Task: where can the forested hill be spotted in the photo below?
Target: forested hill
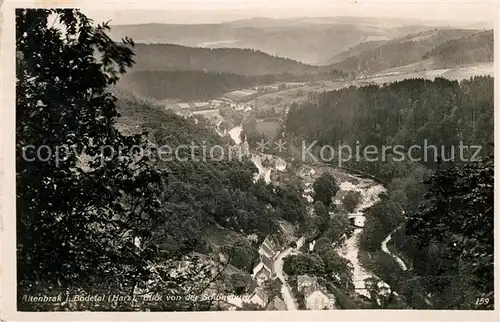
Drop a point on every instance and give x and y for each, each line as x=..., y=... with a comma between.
x=399, y=52
x=198, y=85
x=188, y=85
x=442, y=112
x=168, y=57
x=472, y=49
x=355, y=50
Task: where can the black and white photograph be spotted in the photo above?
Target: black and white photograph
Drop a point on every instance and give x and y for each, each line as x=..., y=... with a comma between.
x=252, y=156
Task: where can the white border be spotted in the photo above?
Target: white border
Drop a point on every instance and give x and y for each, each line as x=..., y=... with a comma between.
x=8, y=310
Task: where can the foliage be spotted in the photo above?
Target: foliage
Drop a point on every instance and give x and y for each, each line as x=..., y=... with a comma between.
x=381, y=219
x=398, y=52
x=453, y=230
x=321, y=215
x=76, y=224
x=242, y=283
x=170, y=57
x=471, y=49
x=273, y=288
x=413, y=112
x=310, y=264
x=338, y=228
x=338, y=269
x=242, y=255
x=351, y=200
x=325, y=188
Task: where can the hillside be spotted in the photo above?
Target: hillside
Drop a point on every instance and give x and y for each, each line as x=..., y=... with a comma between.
x=310, y=40
x=188, y=85
x=168, y=57
x=203, y=192
x=355, y=50
x=402, y=51
x=199, y=85
x=476, y=48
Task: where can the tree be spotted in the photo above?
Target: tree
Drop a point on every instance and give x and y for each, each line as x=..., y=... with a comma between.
x=273, y=288
x=242, y=283
x=322, y=245
x=454, y=228
x=303, y=264
x=77, y=221
x=351, y=200
x=321, y=213
x=242, y=255
x=338, y=228
x=338, y=269
x=325, y=188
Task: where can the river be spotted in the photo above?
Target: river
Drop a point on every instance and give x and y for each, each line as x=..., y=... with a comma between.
x=369, y=191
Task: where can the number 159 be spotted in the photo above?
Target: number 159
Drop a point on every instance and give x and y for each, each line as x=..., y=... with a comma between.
x=482, y=300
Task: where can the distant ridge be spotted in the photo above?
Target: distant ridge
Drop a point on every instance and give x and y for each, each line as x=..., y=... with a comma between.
x=308, y=40
x=169, y=57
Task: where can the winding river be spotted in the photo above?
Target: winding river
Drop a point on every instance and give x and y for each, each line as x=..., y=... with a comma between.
x=369, y=191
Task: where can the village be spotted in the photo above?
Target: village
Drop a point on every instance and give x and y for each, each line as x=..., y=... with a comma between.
x=245, y=100
x=270, y=270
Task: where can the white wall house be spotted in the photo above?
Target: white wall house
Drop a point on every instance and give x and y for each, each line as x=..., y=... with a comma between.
x=318, y=299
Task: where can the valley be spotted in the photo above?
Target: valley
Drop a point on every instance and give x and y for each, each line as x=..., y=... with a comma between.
x=258, y=164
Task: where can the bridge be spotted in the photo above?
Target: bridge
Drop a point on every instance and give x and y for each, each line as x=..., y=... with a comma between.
x=364, y=174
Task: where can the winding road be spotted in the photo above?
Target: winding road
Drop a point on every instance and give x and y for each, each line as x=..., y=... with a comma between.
x=285, y=288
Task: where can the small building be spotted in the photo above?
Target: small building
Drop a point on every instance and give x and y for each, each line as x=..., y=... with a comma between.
x=264, y=270
x=262, y=273
x=184, y=105
x=259, y=297
x=304, y=281
x=269, y=248
x=276, y=304
x=318, y=299
x=201, y=104
x=216, y=103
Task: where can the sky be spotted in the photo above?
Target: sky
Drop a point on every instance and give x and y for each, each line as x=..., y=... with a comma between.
x=216, y=11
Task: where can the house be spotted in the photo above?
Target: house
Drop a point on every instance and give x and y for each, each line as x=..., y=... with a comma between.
x=276, y=304
x=262, y=273
x=318, y=299
x=201, y=104
x=264, y=270
x=184, y=105
x=304, y=281
x=269, y=249
x=259, y=297
x=217, y=103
